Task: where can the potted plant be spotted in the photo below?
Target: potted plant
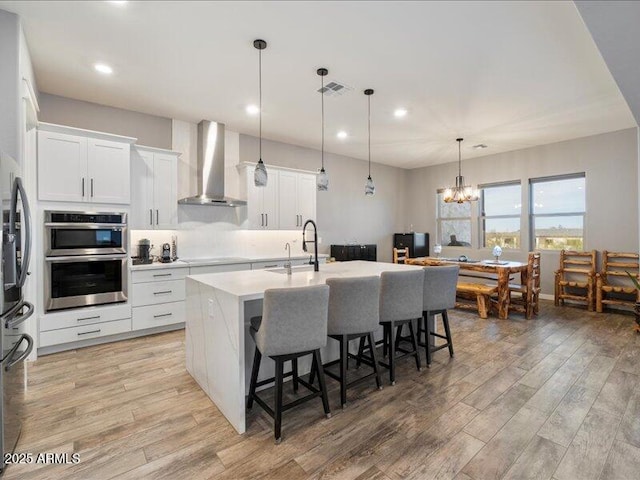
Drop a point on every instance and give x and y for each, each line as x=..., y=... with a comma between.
x=635, y=281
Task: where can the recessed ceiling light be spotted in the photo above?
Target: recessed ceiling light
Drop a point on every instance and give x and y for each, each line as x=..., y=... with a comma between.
x=480, y=146
x=252, y=109
x=103, y=68
x=400, y=112
x=342, y=134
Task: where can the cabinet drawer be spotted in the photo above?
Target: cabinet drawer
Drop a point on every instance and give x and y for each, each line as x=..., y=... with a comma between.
x=235, y=267
x=74, y=334
x=84, y=316
x=154, y=293
x=159, y=274
x=272, y=264
x=157, y=315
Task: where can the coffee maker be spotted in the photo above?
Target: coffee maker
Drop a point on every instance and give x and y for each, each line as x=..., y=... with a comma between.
x=144, y=252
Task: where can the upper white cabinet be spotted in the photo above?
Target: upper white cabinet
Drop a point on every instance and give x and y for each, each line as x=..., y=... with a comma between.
x=262, y=202
x=154, y=184
x=285, y=203
x=77, y=165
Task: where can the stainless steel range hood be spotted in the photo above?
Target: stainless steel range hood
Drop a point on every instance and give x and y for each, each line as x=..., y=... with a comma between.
x=211, y=168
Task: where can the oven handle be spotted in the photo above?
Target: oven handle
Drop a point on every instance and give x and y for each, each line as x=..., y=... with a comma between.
x=9, y=358
x=85, y=226
x=85, y=258
x=10, y=318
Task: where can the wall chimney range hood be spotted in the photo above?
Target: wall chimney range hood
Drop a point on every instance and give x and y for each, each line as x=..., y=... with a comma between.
x=210, y=168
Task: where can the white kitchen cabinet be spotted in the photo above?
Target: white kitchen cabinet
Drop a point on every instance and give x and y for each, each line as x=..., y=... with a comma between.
x=284, y=204
x=296, y=199
x=76, y=165
x=262, y=202
x=157, y=297
x=230, y=267
x=154, y=183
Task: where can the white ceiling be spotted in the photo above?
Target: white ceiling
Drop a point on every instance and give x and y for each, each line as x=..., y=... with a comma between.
x=507, y=74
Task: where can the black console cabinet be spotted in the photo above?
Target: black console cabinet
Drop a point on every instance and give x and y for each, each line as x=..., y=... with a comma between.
x=346, y=253
x=418, y=243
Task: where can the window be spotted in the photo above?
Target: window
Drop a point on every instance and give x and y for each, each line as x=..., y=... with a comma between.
x=557, y=212
x=500, y=208
x=454, y=223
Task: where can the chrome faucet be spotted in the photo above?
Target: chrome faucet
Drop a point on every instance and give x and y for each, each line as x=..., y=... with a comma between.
x=315, y=264
x=287, y=265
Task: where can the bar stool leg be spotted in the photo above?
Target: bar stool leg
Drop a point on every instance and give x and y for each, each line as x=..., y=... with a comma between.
x=278, y=400
x=323, y=385
x=360, y=352
x=392, y=352
x=447, y=330
x=294, y=374
x=385, y=339
x=312, y=373
x=427, y=338
x=374, y=357
x=344, y=347
x=257, y=357
x=414, y=341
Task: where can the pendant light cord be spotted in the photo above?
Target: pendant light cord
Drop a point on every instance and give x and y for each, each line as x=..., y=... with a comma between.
x=322, y=103
x=260, y=97
x=369, y=127
x=459, y=159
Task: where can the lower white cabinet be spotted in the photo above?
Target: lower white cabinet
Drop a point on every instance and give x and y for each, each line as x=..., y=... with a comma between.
x=156, y=301
x=83, y=323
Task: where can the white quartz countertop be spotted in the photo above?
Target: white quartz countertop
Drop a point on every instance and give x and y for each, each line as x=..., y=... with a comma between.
x=251, y=284
x=200, y=262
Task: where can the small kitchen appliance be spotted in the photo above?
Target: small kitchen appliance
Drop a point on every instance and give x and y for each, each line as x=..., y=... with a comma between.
x=144, y=252
x=166, y=253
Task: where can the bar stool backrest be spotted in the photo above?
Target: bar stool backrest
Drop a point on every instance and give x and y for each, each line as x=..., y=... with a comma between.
x=401, y=295
x=440, y=287
x=293, y=320
x=353, y=305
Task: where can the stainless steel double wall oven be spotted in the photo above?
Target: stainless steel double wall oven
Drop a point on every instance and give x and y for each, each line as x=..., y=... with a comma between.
x=86, y=259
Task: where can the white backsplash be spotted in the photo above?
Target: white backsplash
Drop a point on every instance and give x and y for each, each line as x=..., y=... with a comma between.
x=206, y=232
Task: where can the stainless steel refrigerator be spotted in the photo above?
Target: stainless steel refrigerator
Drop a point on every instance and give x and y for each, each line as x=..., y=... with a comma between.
x=15, y=345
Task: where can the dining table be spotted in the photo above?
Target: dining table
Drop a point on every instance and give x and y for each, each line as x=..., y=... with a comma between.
x=502, y=269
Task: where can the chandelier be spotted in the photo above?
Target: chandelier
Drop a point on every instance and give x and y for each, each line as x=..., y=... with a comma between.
x=460, y=193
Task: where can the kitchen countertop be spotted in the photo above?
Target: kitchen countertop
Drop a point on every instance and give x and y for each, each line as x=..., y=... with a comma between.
x=249, y=285
x=200, y=262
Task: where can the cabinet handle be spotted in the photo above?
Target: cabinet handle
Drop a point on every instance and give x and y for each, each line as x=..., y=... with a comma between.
x=162, y=274
x=157, y=217
x=87, y=333
x=164, y=292
x=88, y=318
x=82, y=186
x=150, y=216
x=262, y=219
x=266, y=215
x=163, y=315
x=92, y=188
x=270, y=266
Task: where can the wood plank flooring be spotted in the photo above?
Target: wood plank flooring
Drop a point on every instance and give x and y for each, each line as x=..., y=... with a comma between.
x=556, y=397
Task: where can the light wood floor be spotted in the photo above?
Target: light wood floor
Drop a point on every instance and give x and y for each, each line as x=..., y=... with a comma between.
x=554, y=397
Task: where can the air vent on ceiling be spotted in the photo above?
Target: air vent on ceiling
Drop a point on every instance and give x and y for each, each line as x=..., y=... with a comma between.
x=333, y=89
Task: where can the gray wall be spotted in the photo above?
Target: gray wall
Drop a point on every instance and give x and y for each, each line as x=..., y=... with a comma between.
x=148, y=129
x=610, y=162
x=9, y=84
x=344, y=213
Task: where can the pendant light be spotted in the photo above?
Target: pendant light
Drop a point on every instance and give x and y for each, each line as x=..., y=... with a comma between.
x=260, y=176
x=460, y=193
x=369, y=188
x=322, y=180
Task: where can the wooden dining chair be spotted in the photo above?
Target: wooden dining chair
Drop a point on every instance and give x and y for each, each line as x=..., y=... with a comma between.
x=575, y=279
x=527, y=294
x=613, y=285
x=400, y=255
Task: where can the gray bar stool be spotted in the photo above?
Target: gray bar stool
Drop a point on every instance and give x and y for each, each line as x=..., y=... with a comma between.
x=400, y=304
x=353, y=313
x=439, y=295
x=293, y=324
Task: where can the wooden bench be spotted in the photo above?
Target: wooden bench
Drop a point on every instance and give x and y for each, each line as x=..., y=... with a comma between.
x=482, y=293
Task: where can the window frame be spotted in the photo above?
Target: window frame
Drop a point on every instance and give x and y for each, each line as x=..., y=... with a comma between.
x=482, y=217
x=532, y=215
x=440, y=219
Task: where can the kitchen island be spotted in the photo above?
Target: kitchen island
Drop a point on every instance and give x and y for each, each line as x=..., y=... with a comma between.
x=219, y=350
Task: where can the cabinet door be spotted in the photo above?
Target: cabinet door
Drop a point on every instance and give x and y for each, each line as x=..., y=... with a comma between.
x=270, y=201
x=165, y=185
x=108, y=171
x=142, y=214
x=307, y=196
x=289, y=215
x=62, y=167
x=255, y=201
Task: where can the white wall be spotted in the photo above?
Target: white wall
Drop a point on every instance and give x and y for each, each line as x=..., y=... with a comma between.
x=610, y=162
x=9, y=84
